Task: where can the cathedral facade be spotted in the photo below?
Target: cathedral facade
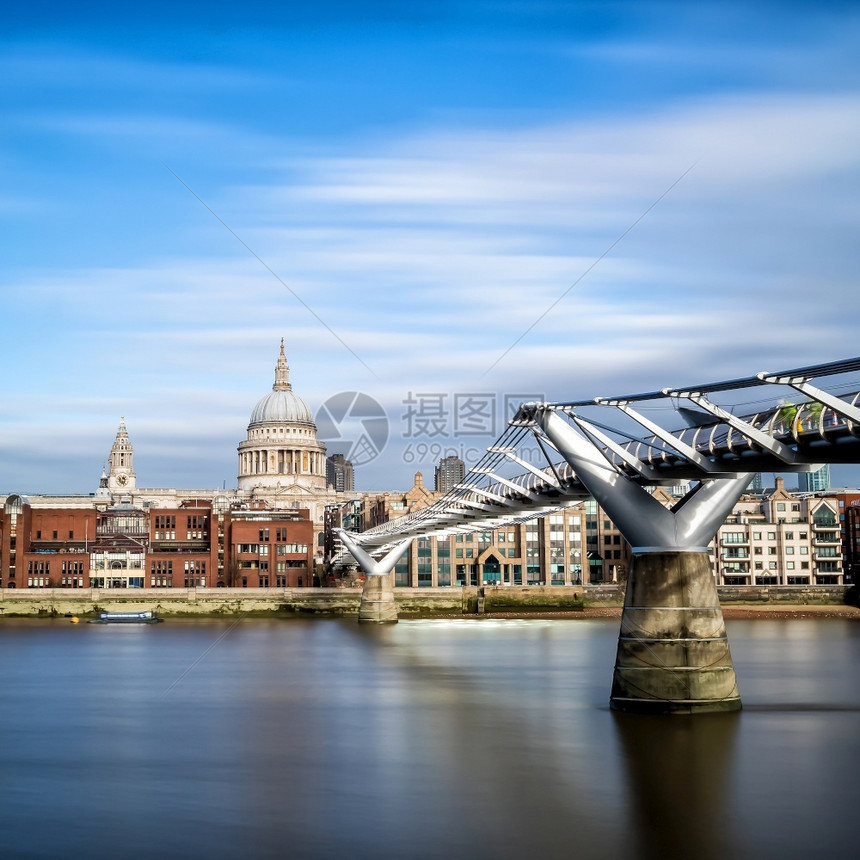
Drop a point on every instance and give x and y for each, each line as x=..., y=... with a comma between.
x=281, y=463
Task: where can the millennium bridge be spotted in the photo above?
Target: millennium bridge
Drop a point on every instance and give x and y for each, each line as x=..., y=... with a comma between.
x=673, y=654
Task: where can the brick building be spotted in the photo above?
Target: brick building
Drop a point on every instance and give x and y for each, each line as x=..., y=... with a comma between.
x=195, y=545
x=267, y=531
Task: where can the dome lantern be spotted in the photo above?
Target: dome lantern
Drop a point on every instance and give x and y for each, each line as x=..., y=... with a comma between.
x=282, y=405
x=282, y=372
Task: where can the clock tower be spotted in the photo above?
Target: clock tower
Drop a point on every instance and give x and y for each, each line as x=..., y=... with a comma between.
x=121, y=477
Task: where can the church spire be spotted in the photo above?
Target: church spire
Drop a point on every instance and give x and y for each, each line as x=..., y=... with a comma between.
x=121, y=475
x=282, y=372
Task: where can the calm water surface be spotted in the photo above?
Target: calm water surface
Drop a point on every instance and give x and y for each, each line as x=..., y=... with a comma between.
x=465, y=738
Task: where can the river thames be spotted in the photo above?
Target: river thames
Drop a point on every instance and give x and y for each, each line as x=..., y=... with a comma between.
x=436, y=738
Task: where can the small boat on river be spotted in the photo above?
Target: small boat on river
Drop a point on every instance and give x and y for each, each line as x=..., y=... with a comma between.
x=148, y=617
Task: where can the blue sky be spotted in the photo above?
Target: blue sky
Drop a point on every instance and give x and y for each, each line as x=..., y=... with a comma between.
x=428, y=178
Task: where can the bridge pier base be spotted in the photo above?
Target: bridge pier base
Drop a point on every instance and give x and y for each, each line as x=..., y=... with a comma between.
x=377, y=601
x=673, y=655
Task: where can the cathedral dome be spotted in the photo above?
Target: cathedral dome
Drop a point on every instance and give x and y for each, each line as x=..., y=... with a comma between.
x=282, y=405
x=282, y=453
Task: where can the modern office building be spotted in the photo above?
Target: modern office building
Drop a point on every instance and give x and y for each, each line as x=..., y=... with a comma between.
x=814, y=482
x=449, y=472
x=340, y=474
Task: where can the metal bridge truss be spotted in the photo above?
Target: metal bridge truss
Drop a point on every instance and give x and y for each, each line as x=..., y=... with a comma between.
x=817, y=423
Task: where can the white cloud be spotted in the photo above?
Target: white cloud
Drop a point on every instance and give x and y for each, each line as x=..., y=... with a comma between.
x=433, y=253
x=564, y=168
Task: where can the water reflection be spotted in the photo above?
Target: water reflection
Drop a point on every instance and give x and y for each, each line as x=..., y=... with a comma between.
x=678, y=778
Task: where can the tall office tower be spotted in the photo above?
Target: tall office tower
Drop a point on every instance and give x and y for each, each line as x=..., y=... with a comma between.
x=449, y=473
x=339, y=473
x=812, y=482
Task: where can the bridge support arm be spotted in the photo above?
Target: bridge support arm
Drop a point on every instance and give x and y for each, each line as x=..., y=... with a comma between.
x=370, y=565
x=644, y=522
x=377, y=596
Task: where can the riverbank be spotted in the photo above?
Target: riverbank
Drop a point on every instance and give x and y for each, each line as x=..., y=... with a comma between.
x=736, y=612
x=456, y=601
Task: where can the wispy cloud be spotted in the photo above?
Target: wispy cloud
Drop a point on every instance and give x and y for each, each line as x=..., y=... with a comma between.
x=430, y=242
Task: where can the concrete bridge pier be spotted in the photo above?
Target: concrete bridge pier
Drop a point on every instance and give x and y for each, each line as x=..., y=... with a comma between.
x=377, y=597
x=377, y=601
x=673, y=655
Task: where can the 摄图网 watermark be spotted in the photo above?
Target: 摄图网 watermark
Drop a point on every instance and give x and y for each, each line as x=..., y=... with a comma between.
x=433, y=424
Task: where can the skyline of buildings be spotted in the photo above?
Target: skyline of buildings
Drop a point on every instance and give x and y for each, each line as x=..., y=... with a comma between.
x=777, y=538
x=274, y=528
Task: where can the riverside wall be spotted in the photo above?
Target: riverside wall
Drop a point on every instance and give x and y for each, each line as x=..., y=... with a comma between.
x=415, y=602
